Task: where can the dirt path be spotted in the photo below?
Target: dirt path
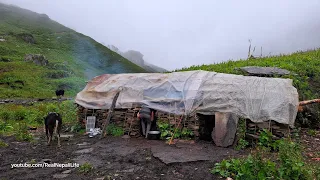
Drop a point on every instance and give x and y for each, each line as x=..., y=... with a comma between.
x=31, y=101
x=113, y=158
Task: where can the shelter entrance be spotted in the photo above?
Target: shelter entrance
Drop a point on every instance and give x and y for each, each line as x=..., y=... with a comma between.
x=206, y=125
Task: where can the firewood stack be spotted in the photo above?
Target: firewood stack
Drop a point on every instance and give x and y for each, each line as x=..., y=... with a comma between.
x=131, y=122
x=191, y=123
x=278, y=130
x=127, y=119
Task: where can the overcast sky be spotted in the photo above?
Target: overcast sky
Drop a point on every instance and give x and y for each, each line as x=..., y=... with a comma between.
x=179, y=33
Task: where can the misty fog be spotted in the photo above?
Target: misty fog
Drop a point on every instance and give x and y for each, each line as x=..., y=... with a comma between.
x=181, y=33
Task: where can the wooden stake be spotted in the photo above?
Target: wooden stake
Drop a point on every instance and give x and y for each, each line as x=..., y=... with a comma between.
x=170, y=142
x=103, y=133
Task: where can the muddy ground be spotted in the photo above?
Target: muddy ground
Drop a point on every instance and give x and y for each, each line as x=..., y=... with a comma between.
x=122, y=158
x=113, y=158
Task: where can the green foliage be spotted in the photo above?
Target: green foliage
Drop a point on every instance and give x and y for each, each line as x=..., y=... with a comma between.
x=312, y=132
x=241, y=133
x=292, y=164
x=288, y=164
x=3, y=144
x=85, y=168
x=242, y=143
x=5, y=127
x=33, y=116
x=167, y=131
x=251, y=168
x=76, y=128
x=266, y=140
x=295, y=132
x=114, y=130
x=22, y=133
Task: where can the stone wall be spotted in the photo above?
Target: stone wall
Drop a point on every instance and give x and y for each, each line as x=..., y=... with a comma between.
x=127, y=119
x=220, y=127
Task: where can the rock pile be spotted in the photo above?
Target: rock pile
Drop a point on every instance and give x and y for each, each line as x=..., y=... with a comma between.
x=28, y=38
x=38, y=59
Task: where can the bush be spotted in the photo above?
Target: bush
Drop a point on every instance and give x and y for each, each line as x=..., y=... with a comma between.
x=5, y=127
x=287, y=164
x=265, y=139
x=114, y=130
x=5, y=115
x=253, y=167
x=20, y=114
x=3, y=144
x=85, y=168
x=22, y=133
x=167, y=131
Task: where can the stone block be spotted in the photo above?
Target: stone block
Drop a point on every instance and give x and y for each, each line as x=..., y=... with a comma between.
x=225, y=129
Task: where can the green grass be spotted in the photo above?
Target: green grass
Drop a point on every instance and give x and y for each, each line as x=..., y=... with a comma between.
x=85, y=168
x=73, y=57
x=15, y=119
x=287, y=163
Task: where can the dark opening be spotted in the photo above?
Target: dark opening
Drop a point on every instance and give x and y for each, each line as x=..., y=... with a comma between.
x=206, y=125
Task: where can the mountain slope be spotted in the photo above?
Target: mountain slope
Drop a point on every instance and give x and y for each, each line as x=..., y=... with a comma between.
x=137, y=58
x=73, y=57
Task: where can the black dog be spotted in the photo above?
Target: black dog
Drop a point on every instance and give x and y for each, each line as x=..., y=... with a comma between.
x=53, y=121
x=60, y=92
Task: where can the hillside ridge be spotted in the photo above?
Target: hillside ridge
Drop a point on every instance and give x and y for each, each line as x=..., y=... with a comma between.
x=73, y=57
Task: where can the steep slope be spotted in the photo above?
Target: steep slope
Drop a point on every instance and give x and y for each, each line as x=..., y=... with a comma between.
x=72, y=57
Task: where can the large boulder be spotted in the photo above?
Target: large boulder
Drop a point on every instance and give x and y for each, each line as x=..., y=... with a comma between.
x=38, y=59
x=264, y=71
x=28, y=38
x=225, y=129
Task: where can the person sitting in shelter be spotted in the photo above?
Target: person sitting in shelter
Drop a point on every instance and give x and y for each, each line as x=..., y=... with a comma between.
x=146, y=116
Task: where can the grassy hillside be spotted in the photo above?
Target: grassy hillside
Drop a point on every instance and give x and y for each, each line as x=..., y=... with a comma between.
x=304, y=66
x=73, y=57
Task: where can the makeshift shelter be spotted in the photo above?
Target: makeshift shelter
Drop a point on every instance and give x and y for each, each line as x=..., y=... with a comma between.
x=183, y=93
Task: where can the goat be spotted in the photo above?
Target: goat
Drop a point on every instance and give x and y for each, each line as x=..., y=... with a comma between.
x=60, y=92
x=53, y=121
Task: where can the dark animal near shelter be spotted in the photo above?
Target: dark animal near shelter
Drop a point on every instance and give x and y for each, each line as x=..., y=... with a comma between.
x=60, y=92
x=53, y=122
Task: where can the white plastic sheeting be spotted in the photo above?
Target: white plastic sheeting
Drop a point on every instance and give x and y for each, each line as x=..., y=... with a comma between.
x=184, y=93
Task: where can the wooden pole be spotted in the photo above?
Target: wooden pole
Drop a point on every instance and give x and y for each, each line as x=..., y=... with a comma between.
x=303, y=103
x=171, y=139
x=103, y=133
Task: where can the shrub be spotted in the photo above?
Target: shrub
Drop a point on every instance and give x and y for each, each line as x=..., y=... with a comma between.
x=287, y=164
x=85, y=168
x=312, y=132
x=5, y=115
x=242, y=143
x=22, y=133
x=3, y=144
x=20, y=113
x=5, y=127
x=167, y=131
x=114, y=130
x=266, y=140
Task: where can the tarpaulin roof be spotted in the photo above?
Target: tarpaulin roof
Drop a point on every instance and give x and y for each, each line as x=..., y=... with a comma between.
x=256, y=98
